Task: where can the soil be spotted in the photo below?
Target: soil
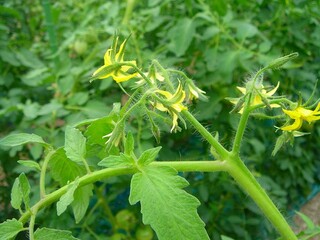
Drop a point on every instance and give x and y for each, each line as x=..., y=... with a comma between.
x=312, y=210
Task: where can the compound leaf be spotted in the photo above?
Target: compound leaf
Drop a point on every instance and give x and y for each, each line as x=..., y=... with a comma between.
x=170, y=211
x=63, y=170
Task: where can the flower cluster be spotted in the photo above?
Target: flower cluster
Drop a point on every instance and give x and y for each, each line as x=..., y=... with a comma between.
x=114, y=65
x=173, y=104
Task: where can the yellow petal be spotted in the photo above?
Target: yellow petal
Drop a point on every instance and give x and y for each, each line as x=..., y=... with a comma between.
x=295, y=126
x=293, y=114
x=273, y=91
x=164, y=93
x=120, y=76
x=242, y=90
x=107, y=57
x=99, y=70
x=174, y=121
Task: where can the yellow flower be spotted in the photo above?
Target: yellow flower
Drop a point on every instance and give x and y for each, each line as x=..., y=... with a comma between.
x=300, y=114
x=195, y=92
x=174, y=104
x=113, y=67
x=258, y=96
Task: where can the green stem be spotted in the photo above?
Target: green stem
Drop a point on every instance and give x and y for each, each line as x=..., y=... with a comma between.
x=193, y=166
x=43, y=174
x=222, y=152
x=127, y=15
x=84, y=180
x=240, y=131
x=186, y=166
x=31, y=225
x=249, y=184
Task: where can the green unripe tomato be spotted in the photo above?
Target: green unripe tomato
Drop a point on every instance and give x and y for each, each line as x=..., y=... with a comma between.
x=144, y=233
x=117, y=236
x=80, y=47
x=126, y=219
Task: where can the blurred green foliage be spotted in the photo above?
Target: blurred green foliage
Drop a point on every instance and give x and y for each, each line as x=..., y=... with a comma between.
x=49, y=49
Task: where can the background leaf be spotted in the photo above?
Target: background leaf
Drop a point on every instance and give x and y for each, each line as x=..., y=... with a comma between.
x=170, y=211
x=17, y=139
x=181, y=35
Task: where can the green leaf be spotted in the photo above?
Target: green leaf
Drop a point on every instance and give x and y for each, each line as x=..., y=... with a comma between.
x=67, y=198
x=181, y=36
x=81, y=201
x=53, y=234
x=129, y=144
x=63, y=170
x=170, y=211
x=148, y=156
x=25, y=189
x=16, y=195
x=17, y=139
x=117, y=161
x=307, y=220
x=30, y=164
x=98, y=129
x=10, y=229
x=75, y=144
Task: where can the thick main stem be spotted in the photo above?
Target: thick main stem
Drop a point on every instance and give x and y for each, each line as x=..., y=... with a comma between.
x=249, y=184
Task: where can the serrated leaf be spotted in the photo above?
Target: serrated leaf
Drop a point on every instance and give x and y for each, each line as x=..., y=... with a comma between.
x=25, y=189
x=16, y=195
x=148, y=156
x=129, y=144
x=63, y=170
x=75, y=144
x=30, y=164
x=170, y=211
x=10, y=229
x=117, y=161
x=53, y=234
x=17, y=139
x=67, y=198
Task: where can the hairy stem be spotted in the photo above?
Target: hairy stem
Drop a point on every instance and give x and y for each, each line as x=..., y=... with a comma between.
x=222, y=152
x=249, y=184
